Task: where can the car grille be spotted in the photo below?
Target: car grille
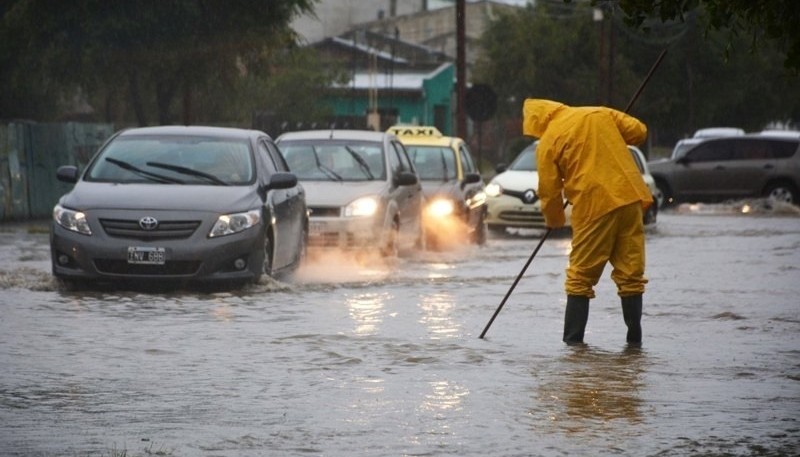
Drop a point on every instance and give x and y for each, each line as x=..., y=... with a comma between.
x=522, y=216
x=322, y=211
x=166, y=230
x=122, y=267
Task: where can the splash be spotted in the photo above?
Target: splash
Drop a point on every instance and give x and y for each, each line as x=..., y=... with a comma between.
x=338, y=266
x=759, y=206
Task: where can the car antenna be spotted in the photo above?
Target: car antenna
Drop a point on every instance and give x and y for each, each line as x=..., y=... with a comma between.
x=333, y=127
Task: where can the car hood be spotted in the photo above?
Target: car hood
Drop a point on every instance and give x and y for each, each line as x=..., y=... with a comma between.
x=90, y=195
x=517, y=180
x=340, y=193
x=433, y=188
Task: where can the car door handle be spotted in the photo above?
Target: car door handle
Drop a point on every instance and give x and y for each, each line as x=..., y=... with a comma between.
x=769, y=166
x=719, y=167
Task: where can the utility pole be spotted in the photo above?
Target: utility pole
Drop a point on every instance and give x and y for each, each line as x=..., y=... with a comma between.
x=461, y=73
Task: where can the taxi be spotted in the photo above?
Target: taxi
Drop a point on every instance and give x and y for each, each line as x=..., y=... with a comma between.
x=455, y=201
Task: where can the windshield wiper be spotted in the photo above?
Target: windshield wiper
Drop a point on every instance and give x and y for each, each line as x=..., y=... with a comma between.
x=328, y=172
x=361, y=162
x=151, y=176
x=188, y=171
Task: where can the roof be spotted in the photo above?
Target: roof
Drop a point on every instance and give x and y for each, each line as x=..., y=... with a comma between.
x=398, y=81
x=199, y=130
x=358, y=135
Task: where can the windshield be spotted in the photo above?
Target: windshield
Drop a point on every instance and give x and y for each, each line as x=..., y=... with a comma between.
x=174, y=160
x=682, y=147
x=433, y=162
x=334, y=160
x=526, y=160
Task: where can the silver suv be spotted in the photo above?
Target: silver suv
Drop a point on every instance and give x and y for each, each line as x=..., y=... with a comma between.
x=735, y=167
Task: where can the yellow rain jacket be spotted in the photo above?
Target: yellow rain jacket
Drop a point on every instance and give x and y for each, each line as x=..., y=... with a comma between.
x=583, y=155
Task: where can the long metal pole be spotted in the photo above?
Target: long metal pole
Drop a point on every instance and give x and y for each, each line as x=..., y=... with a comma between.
x=549, y=230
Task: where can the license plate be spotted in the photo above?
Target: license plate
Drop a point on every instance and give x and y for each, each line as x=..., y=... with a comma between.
x=146, y=255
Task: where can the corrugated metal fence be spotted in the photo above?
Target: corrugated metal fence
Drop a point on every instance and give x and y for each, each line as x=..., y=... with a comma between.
x=30, y=154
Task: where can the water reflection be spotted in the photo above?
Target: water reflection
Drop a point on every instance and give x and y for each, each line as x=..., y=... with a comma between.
x=445, y=396
x=591, y=386
x=437, y=315
x=367, y=311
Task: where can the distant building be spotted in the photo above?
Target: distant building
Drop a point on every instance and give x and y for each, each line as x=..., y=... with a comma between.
x=401, y=54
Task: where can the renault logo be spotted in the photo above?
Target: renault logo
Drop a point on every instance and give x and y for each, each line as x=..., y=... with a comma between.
x=148, y=223
x=529, y=196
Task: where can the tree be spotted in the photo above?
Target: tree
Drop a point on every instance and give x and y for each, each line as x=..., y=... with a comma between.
x=157, y=53
x=760, y=20
x=555, y=50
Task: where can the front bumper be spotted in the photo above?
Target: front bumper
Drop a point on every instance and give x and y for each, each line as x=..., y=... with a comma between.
x=345, y=233
x=196, y=257
x=508, y=211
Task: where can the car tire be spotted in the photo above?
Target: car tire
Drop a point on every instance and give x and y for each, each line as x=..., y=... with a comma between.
x=665, y=196
x=783, y=192
x=391, y=248
x=267, y=258
x=496, y=229
x=651, y=215
x=479, y=236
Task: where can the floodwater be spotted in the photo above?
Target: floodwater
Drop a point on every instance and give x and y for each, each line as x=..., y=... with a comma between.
x=371, y=359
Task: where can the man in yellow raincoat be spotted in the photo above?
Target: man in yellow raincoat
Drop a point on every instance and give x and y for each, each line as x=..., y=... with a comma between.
x=583, y=156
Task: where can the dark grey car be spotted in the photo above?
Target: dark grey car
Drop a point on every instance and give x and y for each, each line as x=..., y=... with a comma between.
x=754, y=165
x=180, y=203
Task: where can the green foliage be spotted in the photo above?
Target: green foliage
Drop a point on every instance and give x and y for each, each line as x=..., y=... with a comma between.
x=147, y=59
x=708, y=77
x=766, y=23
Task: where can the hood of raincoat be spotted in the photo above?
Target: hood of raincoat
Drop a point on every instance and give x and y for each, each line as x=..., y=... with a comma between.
x=537, y=114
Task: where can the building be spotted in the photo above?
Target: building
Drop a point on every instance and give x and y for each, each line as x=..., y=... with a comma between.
x=402, y=56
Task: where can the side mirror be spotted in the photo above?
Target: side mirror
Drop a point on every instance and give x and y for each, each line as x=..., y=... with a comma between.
x=470, y=178
x=683, y=160
x=501, y=167
x=282, y=180
x=405, y=178
x=67, y=173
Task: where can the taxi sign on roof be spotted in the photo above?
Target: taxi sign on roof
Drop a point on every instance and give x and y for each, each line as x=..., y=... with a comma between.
x=415, y=130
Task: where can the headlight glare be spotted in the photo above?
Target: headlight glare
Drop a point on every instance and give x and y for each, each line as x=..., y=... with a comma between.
x=441, y=208
x=71, y=220
x=362, y=207
x=493, y=189
x=228, y=224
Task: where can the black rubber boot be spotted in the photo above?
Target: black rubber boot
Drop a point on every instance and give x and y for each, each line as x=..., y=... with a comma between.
x=632, y=313
x=575, y=318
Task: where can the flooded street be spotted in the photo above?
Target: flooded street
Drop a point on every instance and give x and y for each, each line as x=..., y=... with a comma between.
x=371, y=359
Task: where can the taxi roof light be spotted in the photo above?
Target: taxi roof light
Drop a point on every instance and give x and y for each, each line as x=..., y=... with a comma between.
x=415, y=130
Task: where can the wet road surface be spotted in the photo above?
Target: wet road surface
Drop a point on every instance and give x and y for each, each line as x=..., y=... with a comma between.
x=374, y=359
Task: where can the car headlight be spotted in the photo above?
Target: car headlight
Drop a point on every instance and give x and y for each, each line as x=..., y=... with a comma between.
x=228, y=224
x=362, y=207
x=493, y=189
x=441, y=207
x=71, y=220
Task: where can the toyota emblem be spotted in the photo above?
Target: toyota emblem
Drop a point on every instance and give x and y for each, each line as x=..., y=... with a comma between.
x=148, y=223
x=529, y=196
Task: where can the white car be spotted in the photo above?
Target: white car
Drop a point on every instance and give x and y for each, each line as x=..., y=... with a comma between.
x=511, y=195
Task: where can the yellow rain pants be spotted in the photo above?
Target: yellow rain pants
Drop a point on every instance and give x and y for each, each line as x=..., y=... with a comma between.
x=617, y=238
x=583, y=156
